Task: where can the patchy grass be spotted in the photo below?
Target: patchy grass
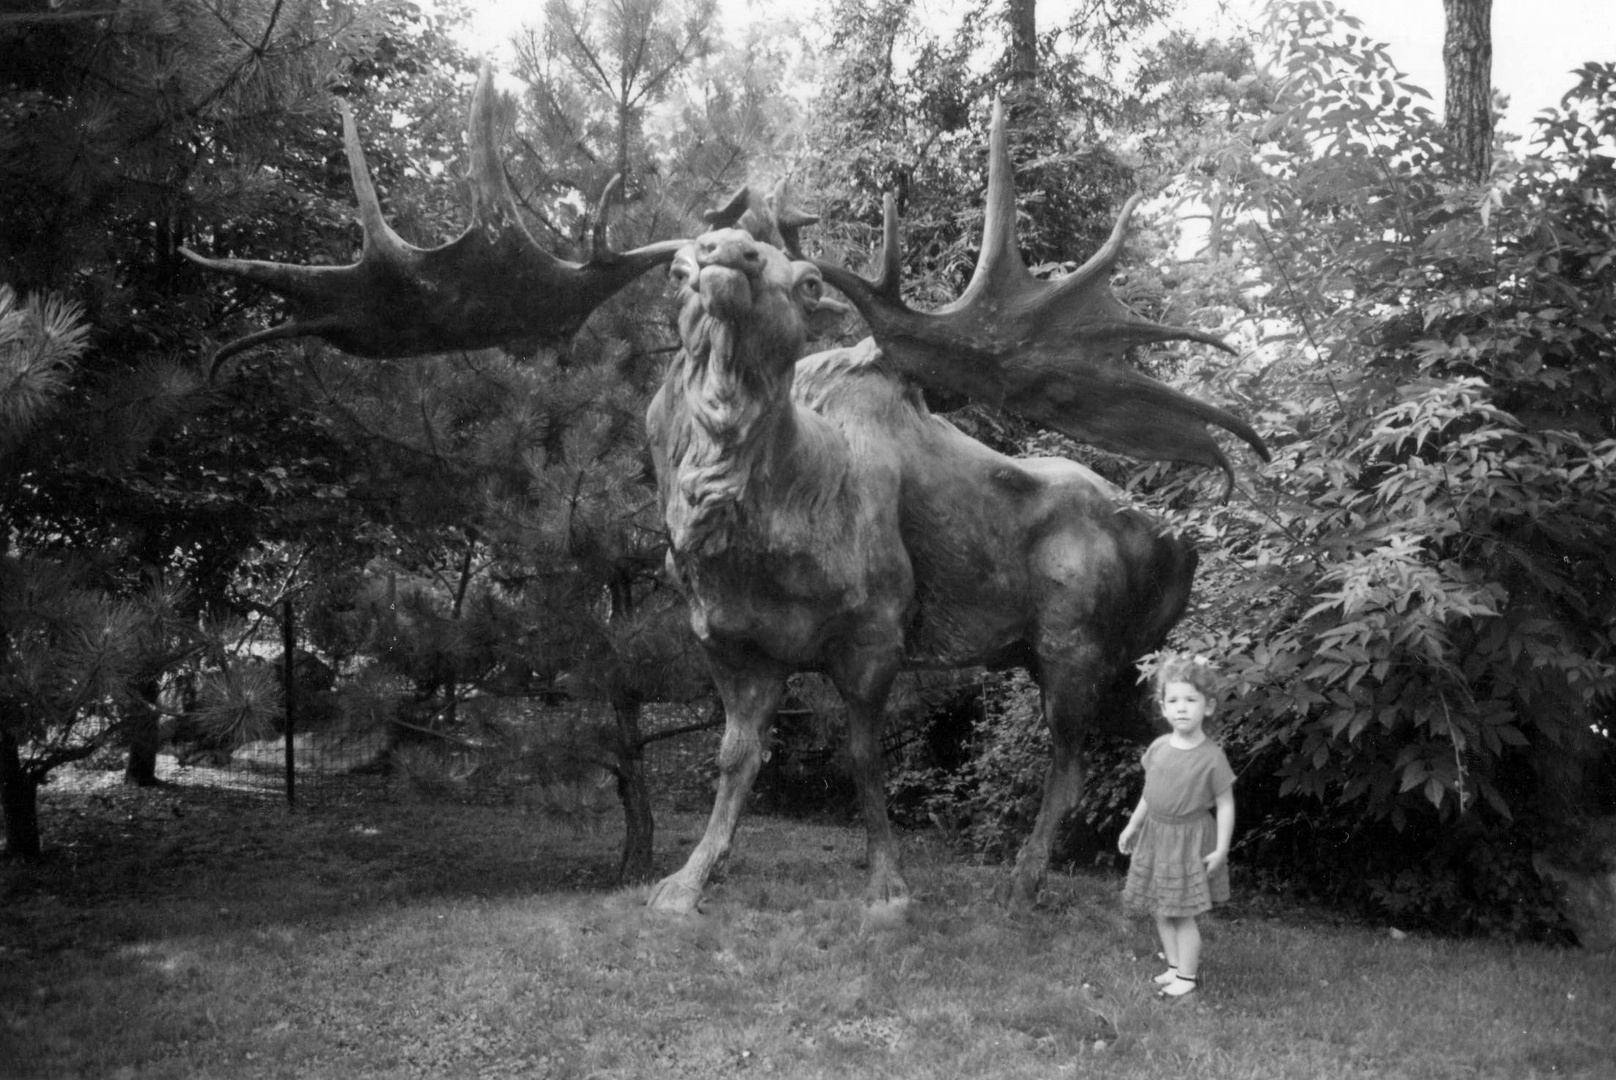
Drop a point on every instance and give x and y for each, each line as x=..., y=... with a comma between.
x=191, y=932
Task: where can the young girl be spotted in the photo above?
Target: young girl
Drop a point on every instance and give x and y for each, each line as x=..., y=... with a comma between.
x=1180, y=853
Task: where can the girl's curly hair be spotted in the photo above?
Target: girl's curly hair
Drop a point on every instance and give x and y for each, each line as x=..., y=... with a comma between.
x=1195, y=670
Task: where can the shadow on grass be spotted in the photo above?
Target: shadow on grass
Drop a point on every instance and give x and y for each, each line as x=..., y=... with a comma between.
x=186, y=931
x=115, y=853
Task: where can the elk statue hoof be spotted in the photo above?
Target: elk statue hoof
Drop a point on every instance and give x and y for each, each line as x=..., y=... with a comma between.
x=887, y=884
x=882, y=915
x=1017, y=893
x=671, y=894
x=887, y=894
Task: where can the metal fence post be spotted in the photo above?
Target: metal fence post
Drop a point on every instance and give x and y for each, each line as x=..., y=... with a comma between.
x=289, y=696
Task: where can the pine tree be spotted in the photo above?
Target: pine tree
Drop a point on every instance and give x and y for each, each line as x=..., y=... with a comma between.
x=67, y=649
x=122, y=137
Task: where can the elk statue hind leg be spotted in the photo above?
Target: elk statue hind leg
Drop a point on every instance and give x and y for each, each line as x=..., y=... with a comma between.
x=1069, y=689
x=1108, y=598
x=750, y=699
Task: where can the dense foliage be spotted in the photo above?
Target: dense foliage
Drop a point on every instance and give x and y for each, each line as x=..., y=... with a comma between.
x=127, y=134
x=987, y=801
x=904, y=108
x=1413, y=603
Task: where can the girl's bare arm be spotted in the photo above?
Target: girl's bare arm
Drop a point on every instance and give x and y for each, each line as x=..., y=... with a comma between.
x=1130, y=830
x=1224, y=808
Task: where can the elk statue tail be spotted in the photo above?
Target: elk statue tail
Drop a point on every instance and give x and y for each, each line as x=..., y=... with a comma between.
x=1171, y=573
x=1163, y=593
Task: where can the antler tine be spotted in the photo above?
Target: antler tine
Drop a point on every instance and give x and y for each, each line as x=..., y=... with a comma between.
x=1051, y=351
x=493, y=205
x=889, y=283
x=731, y=212
x=771, y=218
x=788, y=220
x=493, y=285
x=880, y=301
x=378, y=235
x=1103, y=260
x=998, y=263
x=599, y=248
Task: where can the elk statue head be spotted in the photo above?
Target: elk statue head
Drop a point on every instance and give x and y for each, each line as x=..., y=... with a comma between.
x=746, y=310
x=493, y=285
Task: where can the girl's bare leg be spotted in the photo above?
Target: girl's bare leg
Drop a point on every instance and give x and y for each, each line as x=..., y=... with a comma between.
x=1186, y=951
x=1189, y=947
x=1167, y=930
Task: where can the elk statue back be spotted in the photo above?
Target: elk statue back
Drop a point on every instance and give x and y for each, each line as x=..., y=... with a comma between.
x=819, y=517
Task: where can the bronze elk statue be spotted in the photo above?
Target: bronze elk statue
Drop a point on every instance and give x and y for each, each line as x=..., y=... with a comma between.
x=819, y=517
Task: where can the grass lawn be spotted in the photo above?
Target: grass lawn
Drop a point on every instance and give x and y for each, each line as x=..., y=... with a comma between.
x=193, y=932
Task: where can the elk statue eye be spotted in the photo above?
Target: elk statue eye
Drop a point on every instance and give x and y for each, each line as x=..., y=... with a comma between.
x=812, y=287
x=683, y=270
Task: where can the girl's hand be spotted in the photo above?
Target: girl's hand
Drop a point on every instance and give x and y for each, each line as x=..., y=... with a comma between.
x=1215, y=860
x=1125, y=841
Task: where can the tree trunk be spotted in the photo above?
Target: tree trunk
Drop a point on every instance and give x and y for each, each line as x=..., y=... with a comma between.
x=632, y=787
x=144, y=738
x=19, y=801
x=1467, y=62
x=638, y=824
x=1562, y=763
x=1214, y=227
x=289, y=696
x=1022, y=15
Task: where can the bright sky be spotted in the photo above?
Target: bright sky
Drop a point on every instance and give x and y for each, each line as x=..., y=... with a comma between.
x=1536, y=43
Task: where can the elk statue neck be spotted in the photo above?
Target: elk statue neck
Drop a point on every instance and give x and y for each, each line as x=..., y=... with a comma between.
x=736, y=415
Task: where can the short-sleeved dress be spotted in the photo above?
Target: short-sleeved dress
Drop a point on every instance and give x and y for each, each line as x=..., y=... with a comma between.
x=1167, y=875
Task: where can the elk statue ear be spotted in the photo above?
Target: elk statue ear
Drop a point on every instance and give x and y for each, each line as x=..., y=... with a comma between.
x=826, y=316
x=1051, y=351
x=771, y=218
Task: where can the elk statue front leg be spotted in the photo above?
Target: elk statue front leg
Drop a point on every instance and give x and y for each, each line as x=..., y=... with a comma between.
x=864, y=684
x=750, y=700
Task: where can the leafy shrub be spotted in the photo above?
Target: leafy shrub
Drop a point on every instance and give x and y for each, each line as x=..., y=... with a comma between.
x=805, y=773
x=1413, y=602
x=988, y=804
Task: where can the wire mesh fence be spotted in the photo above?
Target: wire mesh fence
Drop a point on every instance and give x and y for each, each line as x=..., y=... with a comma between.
x=543, y=759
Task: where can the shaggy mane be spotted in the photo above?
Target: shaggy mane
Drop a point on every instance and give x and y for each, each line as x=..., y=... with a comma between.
x=725, y=403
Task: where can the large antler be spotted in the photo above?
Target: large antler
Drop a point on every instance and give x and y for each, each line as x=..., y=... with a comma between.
x=1052, y=351
x=491, y=286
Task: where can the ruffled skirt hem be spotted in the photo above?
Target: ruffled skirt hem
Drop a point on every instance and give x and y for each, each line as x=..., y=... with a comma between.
x=1167, y=875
